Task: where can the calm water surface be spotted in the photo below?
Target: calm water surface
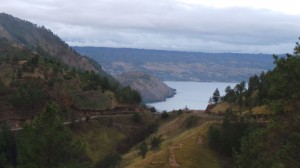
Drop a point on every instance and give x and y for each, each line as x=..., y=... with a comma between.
x=193, y=95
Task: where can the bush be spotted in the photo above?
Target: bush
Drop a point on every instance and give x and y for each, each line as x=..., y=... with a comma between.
x=136, y=118
x=191, y=121
x=155, y=142
x=227, y=138
x=29, y=95
x=179, y=112
x=152, y=109
x=110, y=161
x=2, y=86
x=213, y=137
x=164, y=115
x=151, y=128
x=127, y=95
x=143, y=149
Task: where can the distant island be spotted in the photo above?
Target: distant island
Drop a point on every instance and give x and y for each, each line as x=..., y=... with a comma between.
x=178, y=65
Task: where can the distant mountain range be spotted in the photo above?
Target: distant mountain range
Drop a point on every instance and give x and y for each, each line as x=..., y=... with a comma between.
x=177, y=65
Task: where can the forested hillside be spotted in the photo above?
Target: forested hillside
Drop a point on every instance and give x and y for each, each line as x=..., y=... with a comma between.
x=41, y=40
x=28, y=80
x=42, y=97
x=262, y=121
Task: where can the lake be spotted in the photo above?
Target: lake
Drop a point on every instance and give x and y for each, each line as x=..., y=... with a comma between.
x=193, y=95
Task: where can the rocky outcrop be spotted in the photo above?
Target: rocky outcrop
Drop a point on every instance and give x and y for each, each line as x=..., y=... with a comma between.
x=150, y=88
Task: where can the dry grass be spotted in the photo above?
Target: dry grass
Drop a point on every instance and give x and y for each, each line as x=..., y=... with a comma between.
x=188, y=145
x=261, y=110
x=222, y=107
x=6, y=73
x=99, y=139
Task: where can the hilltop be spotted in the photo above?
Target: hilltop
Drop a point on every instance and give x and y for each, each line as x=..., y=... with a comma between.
x=41, y=40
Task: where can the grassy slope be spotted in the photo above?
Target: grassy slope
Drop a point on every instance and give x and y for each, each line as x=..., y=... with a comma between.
x=190, y=148
x=99, y=138
x=102, y=135
x=221, y=108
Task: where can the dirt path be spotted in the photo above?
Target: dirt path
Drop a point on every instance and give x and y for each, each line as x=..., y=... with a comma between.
x=172, y=158
x=199, y=140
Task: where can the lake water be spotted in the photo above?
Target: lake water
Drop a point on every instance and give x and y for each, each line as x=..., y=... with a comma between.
x=193, y=95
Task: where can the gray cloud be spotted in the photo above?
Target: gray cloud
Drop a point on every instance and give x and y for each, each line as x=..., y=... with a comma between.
x=161, y=24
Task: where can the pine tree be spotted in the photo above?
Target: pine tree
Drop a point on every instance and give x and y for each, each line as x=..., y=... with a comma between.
x=216, y=96
x=47, y=143
x=143, y=149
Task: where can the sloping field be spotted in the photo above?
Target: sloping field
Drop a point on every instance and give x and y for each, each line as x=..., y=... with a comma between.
x=181, y=147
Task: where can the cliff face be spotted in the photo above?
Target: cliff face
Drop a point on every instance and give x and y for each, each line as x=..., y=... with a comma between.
x=150, y=88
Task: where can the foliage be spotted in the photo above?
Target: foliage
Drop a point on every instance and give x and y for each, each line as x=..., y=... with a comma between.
x=8, y=147
x=155, y=142
x=152, y=128
x=191, y=121
x=230, y=95
x=127, y=95
x=29, y=95
x=110, y=161
x=143, y=149
x=276, y=144
x=2, y=86
x=226, y=138
x=31, y=64
x=47, y=143
x=164, y=115
x=216, y=96
x=179, y=112
x=136, y=118
x=153, y=109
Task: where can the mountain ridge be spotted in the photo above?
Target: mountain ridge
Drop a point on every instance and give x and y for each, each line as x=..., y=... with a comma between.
x=180, y=65
x=25, y=34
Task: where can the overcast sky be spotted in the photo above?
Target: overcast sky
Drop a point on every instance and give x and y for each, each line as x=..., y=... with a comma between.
x=249, y=26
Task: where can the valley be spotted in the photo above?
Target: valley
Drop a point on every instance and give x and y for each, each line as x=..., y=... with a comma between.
x=60, y=109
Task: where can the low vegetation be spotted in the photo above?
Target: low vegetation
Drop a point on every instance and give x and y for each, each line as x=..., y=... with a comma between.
x=173, y=144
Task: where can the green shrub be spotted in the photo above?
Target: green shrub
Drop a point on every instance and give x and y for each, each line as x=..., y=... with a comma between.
x=29, y=95
x=136, y=118
x=191, y=121
x=155, y=142
x=164, y=115
x=143, y=149
x=110, y=161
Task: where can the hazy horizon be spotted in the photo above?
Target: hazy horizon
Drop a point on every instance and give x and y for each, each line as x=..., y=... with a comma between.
x=265, y=26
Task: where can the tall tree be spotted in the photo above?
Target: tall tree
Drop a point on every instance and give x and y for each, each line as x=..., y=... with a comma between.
x=216, y=96
x=47, y=143
x=8, y=148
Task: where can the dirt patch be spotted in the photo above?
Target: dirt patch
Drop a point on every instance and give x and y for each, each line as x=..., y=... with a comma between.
x=172, y=158
x=199, y=140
